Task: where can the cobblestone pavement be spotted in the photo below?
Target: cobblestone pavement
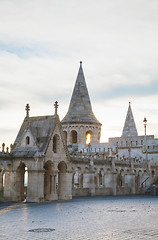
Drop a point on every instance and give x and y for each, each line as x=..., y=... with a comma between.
x=126, y=217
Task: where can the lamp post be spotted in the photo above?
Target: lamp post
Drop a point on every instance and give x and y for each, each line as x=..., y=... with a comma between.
x=145, y=123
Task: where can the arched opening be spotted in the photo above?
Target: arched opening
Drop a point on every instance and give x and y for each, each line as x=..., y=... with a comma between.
x=73, y=136
x=2, y=177
x=27, y=140
x=49, y=181
x=88, y=137
x=65, y=137
x=56, y=143
x=25, y=182
x=100, y=179
x=21, y=182
x=78, y=178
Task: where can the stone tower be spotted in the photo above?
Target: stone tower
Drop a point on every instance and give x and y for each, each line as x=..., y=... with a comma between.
x=80, y=126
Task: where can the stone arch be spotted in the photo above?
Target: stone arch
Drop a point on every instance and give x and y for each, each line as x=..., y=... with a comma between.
x=21, y=182
x=74, y=136
x=121, y=178
x=78, y=178
x=56, y=143
x=49, y=181
x=2, y=177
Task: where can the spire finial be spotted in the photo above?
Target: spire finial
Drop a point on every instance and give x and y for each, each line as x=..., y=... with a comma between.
x=129, y=103
x=27, y=108
x=56, y=105
x=80, y=62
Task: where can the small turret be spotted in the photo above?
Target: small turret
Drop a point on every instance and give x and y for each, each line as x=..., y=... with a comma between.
x=129, y=129
x=80, y=120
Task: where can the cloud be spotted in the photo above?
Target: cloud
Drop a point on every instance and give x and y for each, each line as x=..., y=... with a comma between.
x=42, y=43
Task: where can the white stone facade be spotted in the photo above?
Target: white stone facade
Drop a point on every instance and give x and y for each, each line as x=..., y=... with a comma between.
x=59, y=164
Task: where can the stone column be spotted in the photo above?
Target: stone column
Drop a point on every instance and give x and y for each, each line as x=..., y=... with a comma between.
x=53, y=195
x=65, y=186
x=114, y=183
x=35, y=189
x=133, y=187
x=10, y=186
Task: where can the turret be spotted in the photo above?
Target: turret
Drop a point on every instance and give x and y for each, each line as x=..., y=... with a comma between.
x=129, y=129
x=80, y=124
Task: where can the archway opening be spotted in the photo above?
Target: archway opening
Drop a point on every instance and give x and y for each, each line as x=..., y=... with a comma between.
x=49, y=181
x=21, y=182
x=78, y=178
x=100, y=179
x=2, y=177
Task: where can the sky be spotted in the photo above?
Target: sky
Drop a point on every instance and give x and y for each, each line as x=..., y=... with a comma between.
x=42, y=43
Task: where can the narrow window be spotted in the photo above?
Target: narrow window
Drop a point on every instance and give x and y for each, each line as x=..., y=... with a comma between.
x=54, y=144
x=74, y=136
x=27, y=140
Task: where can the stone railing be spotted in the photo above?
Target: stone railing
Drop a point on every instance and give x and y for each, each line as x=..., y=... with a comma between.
x=5, y=150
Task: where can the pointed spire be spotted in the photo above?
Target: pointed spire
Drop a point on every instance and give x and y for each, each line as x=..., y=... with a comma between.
x=80, y=109
x=129, y=129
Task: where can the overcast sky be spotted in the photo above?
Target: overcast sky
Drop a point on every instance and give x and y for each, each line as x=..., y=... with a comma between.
x=42, y=43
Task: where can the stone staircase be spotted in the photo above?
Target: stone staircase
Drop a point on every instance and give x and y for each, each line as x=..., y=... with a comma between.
x=153, y=188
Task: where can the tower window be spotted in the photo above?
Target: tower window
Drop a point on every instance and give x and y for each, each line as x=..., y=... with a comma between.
x=27, y=140
x=74, y=136
x=88, y=137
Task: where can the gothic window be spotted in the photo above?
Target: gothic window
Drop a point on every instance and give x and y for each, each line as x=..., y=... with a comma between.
x=73, y=136
x=56, y=143
x=27, y=140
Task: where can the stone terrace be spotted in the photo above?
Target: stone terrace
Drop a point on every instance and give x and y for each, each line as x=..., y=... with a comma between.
x=121, y=217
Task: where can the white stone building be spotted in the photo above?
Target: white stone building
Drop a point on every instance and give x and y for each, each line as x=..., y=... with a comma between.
x=58, y=163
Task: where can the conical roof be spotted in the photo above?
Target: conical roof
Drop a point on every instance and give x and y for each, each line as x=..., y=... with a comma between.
x=80, y=110
x=129, y=129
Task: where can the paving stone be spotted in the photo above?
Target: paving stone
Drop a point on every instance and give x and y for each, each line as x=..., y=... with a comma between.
x=98, y=218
